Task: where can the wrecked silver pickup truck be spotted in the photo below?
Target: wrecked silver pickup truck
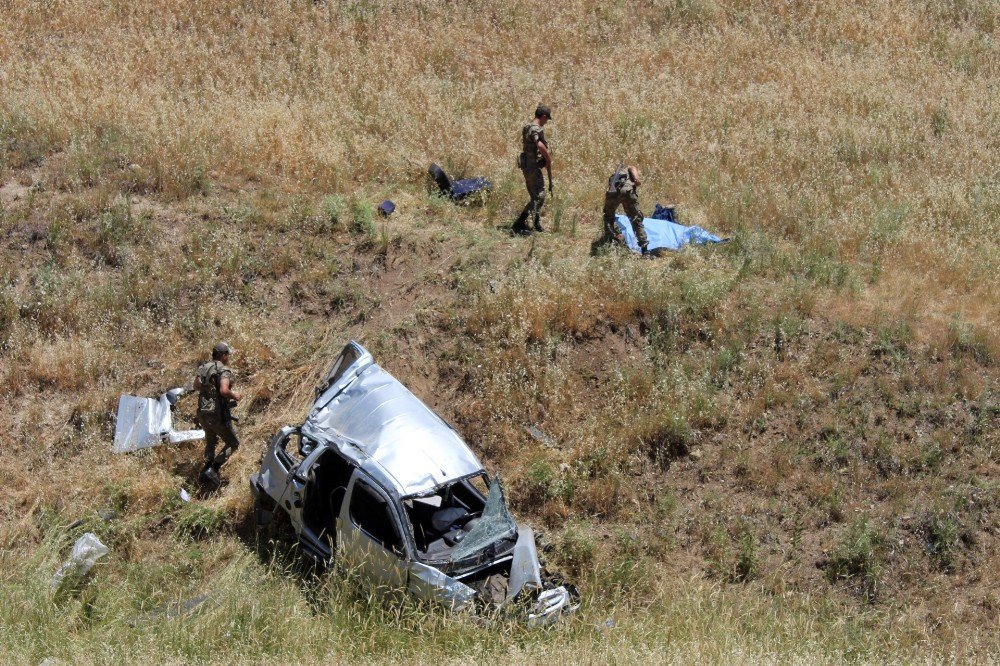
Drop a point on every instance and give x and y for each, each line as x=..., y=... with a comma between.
x=380, y=482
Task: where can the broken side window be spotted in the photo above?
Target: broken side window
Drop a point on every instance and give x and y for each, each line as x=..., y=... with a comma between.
x=370, y=512
x=495, y=524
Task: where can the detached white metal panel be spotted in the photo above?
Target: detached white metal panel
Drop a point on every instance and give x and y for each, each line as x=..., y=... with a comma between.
x=146, y=422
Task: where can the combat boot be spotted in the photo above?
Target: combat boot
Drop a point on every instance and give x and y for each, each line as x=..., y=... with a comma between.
x=211, y=476
x=520, y=227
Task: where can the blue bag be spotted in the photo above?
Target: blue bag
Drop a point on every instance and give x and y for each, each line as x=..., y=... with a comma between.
x=668, y=213
x=459, y=189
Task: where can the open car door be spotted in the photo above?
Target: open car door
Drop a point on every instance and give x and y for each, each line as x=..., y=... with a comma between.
x=370, y=536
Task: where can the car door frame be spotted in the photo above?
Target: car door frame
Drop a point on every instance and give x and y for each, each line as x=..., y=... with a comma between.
x=359, y=550
x=293, y=502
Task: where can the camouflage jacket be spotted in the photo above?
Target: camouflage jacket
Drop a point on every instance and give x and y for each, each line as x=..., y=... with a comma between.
x=621, y=181
x=211, y=374
x=531, y=134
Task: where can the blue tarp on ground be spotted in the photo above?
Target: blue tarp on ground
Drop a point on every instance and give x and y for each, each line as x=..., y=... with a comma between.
x=664, y=234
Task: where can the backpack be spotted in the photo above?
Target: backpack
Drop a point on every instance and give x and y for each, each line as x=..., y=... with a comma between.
x=458, y=189
x=209, y=402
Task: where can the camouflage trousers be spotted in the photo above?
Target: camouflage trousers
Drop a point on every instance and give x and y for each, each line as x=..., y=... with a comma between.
x=534, y=182
x=214, y=429
x=629, y=200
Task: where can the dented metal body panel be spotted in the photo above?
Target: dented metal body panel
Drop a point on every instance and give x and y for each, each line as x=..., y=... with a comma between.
x=392, y=434
x=144, y=422
x=376, y=479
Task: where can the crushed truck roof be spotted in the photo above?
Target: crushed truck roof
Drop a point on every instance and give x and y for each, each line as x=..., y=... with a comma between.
x=375, y=414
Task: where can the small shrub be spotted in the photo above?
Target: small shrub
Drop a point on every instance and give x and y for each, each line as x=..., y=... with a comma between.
x=719, y=550
x=837, y=450
x=894, y=340
x=943, y=536
x=735, y=560
x=636, y=128
x=833, y=503
x=541, y=480
x=117, y=227
x=969, y=340
x=118, y=493
x=333, y=213
x=243, y=214
x=701, y=295
x=24, y=140
x=8, y=315
x=857, y=560
x=667, y=439
x=57, y=235
x=725, y=362
x=576, y=549
x=629, y=574
x=666, y=504
x=197, y=521
x=364, y=217
x=930, y=457
x=300, y=213
x=747, y=565
x=558, y=211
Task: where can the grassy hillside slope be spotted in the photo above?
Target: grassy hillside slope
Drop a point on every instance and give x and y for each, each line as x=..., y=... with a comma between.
x=781, y=448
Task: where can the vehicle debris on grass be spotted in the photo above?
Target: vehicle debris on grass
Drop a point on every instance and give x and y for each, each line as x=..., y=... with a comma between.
x=381, y=483
x=145, y=422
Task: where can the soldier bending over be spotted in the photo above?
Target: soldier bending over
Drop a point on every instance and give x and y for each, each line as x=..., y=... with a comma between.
x=623, y=191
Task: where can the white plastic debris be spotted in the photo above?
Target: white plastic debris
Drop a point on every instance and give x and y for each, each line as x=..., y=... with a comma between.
x=146, y=422
x=178, y=436
x=185, y=495
x=86, y=551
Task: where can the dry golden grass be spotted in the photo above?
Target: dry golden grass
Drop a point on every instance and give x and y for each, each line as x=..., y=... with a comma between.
x=868, y=130
x=729, y=430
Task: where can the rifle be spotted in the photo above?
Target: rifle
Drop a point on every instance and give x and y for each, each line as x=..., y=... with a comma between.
x=618, y=178
x=549, y=167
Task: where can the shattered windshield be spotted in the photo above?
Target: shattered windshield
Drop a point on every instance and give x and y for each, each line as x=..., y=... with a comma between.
x=495, y=524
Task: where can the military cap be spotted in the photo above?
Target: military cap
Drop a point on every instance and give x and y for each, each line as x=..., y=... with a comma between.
x=543, y=110
x=221, y=348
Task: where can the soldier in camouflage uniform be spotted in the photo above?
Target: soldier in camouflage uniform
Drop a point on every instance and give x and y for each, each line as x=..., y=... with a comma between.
x=534, y=155
x=623, y=191
x=214, y=383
